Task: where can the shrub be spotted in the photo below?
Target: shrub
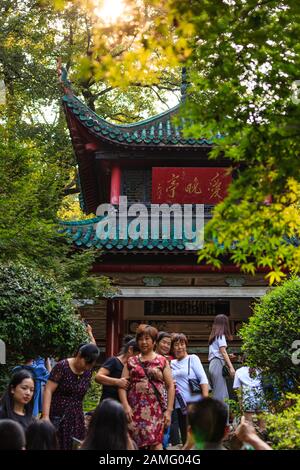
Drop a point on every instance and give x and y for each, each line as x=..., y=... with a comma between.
x=284, y=428
x=268, y=337
x=93, y=395
x=37, y=317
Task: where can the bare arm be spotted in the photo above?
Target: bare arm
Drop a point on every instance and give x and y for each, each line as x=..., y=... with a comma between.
x=48, y=392
x=245, y=432
x=227, y=360
x=48, y=364
x=167, y=374
x=204, y=390
x=89, y=331
x=103, y=378
x=123, y=395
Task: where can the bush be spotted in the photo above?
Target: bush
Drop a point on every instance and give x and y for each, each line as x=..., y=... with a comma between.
x=37, y=317
x=93, y=395
x=284, y=428
x=268, y=337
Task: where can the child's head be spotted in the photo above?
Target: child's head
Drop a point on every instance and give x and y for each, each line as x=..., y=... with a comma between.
x=207, y=420
x=41, y=435
x=12, y=436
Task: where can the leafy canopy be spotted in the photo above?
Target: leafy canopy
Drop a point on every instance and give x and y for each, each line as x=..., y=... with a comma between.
x=268, y=338
x=243, y=61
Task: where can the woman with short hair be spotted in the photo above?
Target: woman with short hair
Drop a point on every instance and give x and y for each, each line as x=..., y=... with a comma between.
x=186, y=366
x=64, y=393
x=144, y=402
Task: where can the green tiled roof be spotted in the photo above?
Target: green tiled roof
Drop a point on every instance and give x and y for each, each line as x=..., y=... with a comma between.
x=83, y=234
x=155, y=131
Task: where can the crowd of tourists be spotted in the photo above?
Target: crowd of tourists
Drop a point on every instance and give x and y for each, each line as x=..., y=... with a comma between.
x=155, y=395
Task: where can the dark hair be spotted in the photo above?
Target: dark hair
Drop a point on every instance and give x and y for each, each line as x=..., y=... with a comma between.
x=12, y=435
x=7, y=400
x=127, y=338
x=89, y=352
x=220, y=327
x=108, y=429
x=130, y=344
x=178, y=338
x=144, y=330
x=163, y=334
x=208, y=420
x=41, y=435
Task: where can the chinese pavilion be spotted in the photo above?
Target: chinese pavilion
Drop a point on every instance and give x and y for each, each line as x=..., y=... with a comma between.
x=159, y=281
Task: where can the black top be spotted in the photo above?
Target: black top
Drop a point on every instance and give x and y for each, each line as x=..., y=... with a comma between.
x=23, y=420
x=115, y=367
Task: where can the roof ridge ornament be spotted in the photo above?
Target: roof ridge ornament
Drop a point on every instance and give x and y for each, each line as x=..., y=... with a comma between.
x=62, y=73
x=184, y=83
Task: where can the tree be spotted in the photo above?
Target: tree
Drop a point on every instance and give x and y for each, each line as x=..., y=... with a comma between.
x=243, y=59
x=268, y=338
x=36, y=315
x=37, y=167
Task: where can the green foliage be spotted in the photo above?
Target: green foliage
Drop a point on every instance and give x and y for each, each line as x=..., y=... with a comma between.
x=268, y=337
x=93, y=395
x=284, y=428
x=37, y=164
x=73, y=272
x=37, y=316
x=242, y=59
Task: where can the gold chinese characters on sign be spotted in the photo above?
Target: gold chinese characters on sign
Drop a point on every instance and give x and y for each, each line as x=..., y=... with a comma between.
x=189, y=185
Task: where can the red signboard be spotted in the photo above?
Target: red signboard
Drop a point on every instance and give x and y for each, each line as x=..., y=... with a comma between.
x=189, y=185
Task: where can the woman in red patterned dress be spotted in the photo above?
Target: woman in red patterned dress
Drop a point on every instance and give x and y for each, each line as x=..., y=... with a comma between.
x=145, y=400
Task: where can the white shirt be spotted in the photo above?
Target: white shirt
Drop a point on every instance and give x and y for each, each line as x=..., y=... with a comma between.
x=242, y=378
x=252, y=391
x=214, y=347
x=180, y=373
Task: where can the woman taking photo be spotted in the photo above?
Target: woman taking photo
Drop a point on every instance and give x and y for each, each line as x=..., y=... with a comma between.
x=110, y=373
x=150, y=384
x=67, y=385
x=218, y=357
x=17, y=401
x=185, y=367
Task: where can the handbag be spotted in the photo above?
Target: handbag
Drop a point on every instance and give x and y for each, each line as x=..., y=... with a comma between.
x=181, y=401
x=225, y=371
x=194, y=384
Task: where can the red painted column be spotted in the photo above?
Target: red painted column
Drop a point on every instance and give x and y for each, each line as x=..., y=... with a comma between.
x=114, y=327
x=115, y=184
x=120, y=324
x=109, y=344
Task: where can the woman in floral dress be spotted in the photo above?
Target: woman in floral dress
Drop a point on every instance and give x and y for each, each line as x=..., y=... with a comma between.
x=145, y=404
x=68, y=383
